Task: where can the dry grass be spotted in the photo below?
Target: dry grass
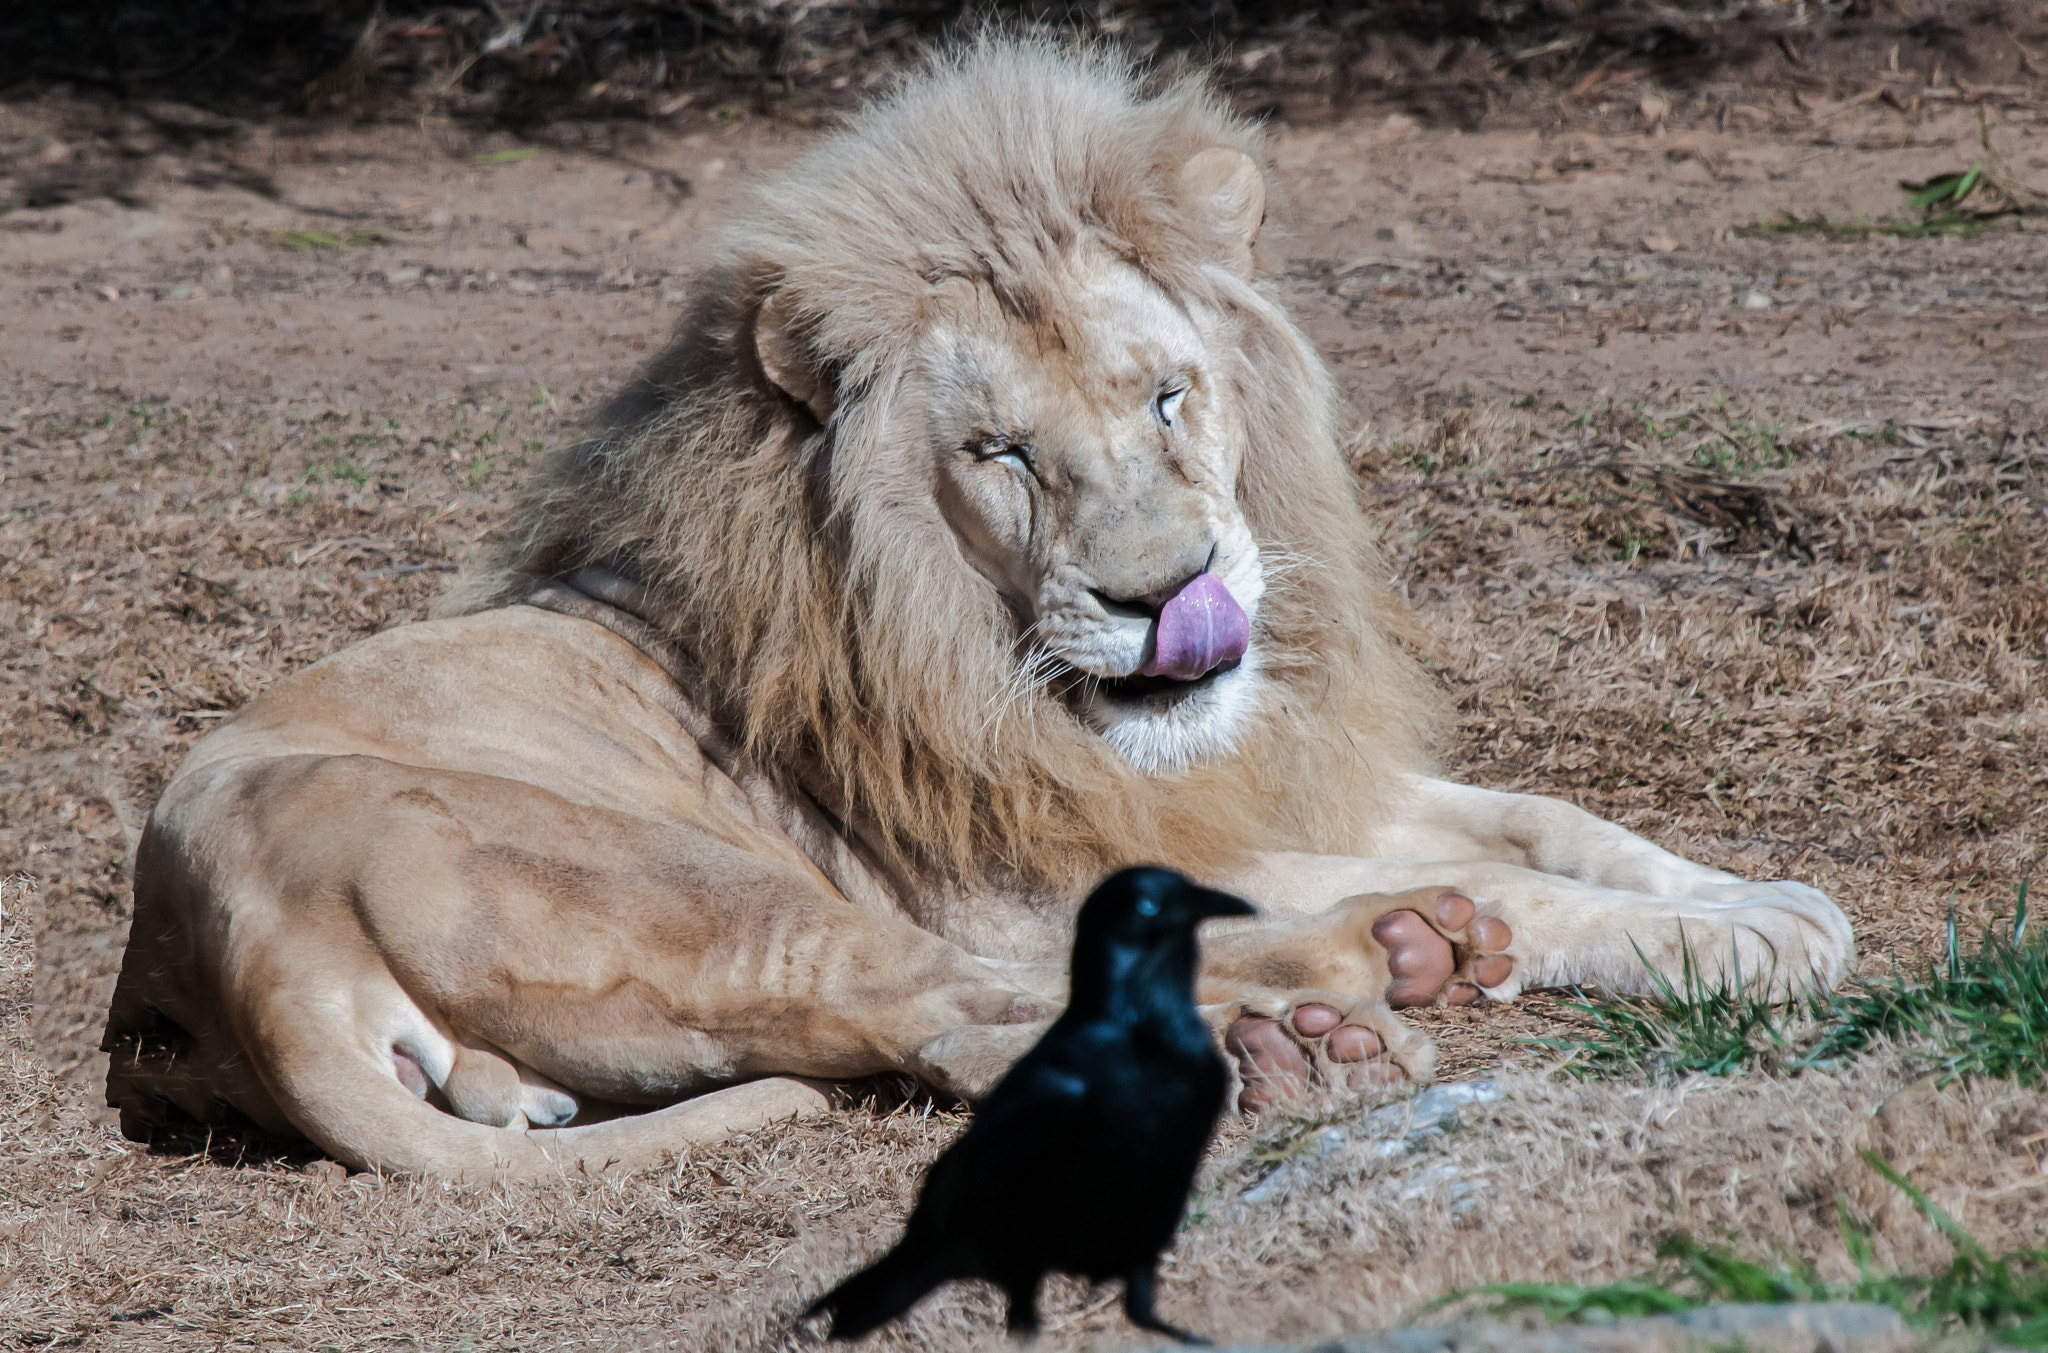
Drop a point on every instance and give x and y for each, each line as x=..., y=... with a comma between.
x=1787, y=644
x=1854, y=700
x=1801, y=640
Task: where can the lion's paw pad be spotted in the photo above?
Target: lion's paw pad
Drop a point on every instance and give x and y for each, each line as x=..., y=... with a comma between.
x=1279, y=1059
x=1446, y=956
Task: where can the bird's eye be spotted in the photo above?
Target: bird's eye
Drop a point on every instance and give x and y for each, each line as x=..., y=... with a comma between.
x=1148, y=906
x=1166, y=404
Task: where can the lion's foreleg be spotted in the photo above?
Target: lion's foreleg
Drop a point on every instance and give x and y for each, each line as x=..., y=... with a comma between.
x=1442, y=820
x=1629, y=893
x=1311, y=998
x=1353, y=946
x=1783, y=936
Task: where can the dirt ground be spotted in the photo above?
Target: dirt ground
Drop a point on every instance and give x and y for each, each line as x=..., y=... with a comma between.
x=1740, y=540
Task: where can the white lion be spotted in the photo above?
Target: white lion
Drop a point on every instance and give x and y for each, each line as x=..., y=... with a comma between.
x=984, y=530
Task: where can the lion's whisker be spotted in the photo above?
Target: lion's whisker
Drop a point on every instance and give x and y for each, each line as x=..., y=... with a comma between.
x=1281, y=568
x=1018, y=684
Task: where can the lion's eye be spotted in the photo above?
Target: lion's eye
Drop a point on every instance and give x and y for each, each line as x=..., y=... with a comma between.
x=1166, y=406
x=1016, y=455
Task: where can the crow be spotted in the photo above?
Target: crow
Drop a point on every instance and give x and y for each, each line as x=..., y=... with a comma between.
x=1079, y=1161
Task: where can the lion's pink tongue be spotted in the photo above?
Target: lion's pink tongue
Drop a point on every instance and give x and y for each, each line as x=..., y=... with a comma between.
x=1200, y=628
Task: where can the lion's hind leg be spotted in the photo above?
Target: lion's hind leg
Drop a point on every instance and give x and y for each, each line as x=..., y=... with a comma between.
x=467, y=1078
x=280, y=968
x=485, y=1086
x=374, y=1084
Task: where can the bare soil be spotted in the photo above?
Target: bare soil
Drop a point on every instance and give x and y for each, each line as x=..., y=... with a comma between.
x=1739, y=540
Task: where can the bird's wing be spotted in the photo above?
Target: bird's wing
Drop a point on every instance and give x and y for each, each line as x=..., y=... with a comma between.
x=1037, y=1117
x=1040, y=1100
x=1020, y=1144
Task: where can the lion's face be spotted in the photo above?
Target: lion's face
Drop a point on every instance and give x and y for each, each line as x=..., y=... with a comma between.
x=1086, y=463
x=1070, y=423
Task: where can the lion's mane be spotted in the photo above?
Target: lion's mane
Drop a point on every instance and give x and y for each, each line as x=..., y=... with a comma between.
x=845, y=637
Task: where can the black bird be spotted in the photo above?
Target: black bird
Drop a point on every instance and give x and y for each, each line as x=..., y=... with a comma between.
x=1080, y=1160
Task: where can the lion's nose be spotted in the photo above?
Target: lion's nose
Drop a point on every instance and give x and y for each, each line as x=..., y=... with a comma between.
x=1145, y=607
x=1148, y=604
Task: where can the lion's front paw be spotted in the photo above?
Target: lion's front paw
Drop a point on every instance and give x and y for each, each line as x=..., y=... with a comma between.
x=1315, y=1039
x=1440, y=951
x=1781, y=936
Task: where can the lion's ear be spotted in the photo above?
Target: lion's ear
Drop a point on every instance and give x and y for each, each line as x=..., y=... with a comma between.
x=1225, y=188
x=786, y=360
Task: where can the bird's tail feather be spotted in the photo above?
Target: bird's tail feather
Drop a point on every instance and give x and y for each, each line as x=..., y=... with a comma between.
x=880, y=1292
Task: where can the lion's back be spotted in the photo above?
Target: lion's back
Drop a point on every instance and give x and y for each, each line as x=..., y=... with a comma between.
x=517, y=694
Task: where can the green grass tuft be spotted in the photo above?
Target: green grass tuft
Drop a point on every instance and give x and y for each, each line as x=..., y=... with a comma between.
x=309, y=241
x=1834, y=228
x=1960, y=203
x=1695, y=1026
x=2006, y=1295
x=1984, y=1013
x=1981, y=1013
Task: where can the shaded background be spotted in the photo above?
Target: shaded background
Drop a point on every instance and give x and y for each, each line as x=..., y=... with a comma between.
x=512, y=62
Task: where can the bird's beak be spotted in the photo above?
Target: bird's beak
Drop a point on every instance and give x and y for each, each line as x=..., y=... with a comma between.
x=1209, y=902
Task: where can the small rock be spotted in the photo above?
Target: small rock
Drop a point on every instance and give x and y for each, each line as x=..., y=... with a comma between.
x=1414, y=1117
x=1845, y=1324
x=1394, y=1129
x=1659, y=243
x=1793, y=1327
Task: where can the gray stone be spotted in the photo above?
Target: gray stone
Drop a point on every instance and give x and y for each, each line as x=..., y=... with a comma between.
x=1838, y=1321
x=1391, y=1130
x=1791, y=1327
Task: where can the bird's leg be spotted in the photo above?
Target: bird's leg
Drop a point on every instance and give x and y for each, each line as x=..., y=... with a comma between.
x=1023, y=1294
x=1140, y=1286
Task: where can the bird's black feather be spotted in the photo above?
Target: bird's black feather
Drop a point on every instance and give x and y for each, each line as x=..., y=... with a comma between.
x=1080, y=1160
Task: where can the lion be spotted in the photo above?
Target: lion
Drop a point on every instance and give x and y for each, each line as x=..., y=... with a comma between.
x=984, y=529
